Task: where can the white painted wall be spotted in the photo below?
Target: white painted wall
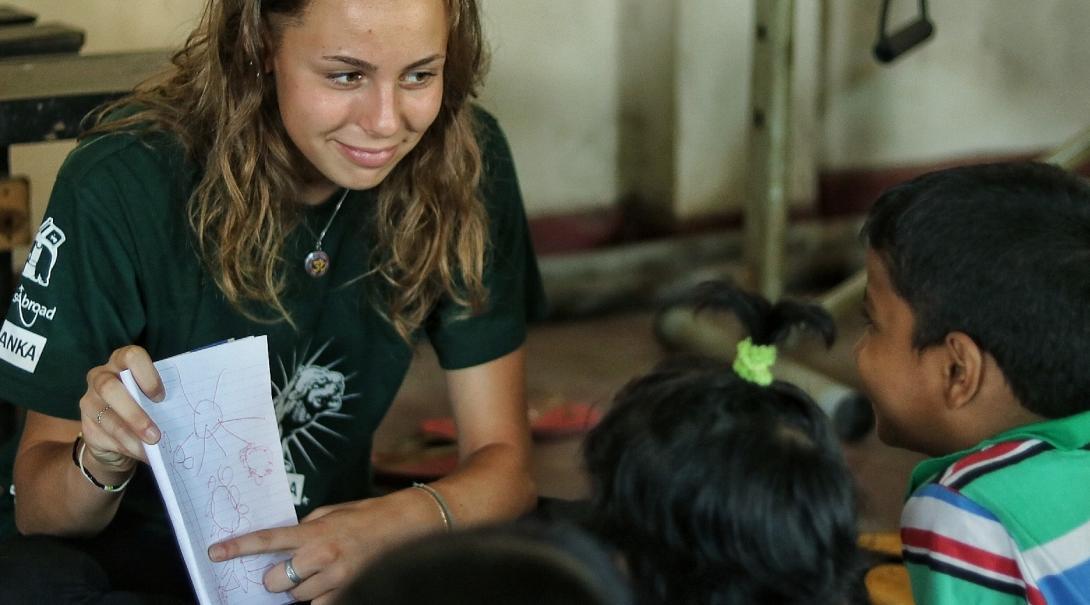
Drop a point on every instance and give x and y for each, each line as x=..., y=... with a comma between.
x=554, y=86
x=1000, y=76
x=715, y=48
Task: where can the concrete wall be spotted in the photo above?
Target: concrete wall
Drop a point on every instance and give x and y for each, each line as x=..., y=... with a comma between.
x=554, y=86
x=607, y=98
x=998, y=76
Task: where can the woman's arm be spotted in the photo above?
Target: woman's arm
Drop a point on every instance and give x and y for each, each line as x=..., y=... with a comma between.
x=333, y=544
x=51, y=494
x=493, y=481
x=52, y=497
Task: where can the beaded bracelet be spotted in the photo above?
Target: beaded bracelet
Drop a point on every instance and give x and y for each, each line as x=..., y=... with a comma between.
x=78, y=447
x=444, y=510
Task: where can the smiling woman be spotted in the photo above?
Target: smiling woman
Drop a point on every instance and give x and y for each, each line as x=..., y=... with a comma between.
x=311, y=170
x=357, y=88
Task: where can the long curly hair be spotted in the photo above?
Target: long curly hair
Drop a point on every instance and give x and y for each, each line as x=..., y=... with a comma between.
x=431, y=223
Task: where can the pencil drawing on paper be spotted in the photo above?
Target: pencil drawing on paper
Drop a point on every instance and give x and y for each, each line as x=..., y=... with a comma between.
x=211, y=429
x=209, y=451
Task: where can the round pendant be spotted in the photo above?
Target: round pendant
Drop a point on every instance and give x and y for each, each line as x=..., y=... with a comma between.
x=316, y=263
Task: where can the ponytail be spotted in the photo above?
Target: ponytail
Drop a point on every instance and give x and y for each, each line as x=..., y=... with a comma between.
x=766, y=323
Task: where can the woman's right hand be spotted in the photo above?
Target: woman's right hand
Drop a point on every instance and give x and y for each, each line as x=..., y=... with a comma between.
x=113, y=424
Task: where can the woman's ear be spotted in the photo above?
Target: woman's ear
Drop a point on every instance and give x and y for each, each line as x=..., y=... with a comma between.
x=268, y=50
x=963, y=369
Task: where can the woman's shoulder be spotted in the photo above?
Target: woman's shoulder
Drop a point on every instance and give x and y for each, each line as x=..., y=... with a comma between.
x=487, y=124
x=125, y=172
x=490, y=135
x=497, y=161
x=133, y=151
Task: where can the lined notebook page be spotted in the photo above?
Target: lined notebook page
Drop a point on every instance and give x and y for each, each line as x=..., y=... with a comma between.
x=219, y=463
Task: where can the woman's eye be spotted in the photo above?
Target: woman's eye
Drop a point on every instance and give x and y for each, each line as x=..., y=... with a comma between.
x=347, y=78
x=417, y=78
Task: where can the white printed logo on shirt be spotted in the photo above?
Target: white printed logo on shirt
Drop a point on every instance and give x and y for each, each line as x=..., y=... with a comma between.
x=21, y=348
x=43, y=256
x=30, y=308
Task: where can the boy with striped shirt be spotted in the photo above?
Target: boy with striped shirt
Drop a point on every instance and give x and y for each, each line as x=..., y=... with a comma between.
x=976, y=353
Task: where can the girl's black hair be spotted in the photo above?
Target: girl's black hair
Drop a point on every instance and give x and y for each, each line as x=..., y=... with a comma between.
x=720, y=491
x=766, y=323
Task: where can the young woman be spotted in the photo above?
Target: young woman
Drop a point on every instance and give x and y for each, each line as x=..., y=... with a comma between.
x=311, y=170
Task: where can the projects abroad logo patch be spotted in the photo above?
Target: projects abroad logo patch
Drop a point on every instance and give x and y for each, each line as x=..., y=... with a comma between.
x=21, y=348
x=31, y=309
x=43, y=254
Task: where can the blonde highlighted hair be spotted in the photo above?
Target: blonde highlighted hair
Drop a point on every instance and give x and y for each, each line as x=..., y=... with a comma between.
x=432, y=228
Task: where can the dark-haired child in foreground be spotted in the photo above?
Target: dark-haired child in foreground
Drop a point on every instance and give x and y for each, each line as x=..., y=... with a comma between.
x=523, y=563
x=977, y=353
x=721, y=485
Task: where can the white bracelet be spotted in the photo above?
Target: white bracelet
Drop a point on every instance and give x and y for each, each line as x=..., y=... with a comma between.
x=444, y=510
x=78, y=459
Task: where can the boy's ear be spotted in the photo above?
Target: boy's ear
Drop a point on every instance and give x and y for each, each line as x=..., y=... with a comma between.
x=963, y=369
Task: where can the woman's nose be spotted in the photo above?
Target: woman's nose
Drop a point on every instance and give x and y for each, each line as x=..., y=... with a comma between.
x=378, y=114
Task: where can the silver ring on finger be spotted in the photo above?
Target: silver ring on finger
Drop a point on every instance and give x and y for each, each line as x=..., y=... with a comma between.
x=101, y=413
x=289, y=570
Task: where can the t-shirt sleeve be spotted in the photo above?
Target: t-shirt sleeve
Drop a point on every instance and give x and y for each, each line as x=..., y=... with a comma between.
x=957, y=551
x=76, y=300
x=515, y=292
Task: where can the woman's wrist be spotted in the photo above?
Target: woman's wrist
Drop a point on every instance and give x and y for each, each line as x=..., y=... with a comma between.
x=102, y=474
x=440, y=503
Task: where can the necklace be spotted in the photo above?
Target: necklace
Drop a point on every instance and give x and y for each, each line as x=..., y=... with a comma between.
x=317, y=262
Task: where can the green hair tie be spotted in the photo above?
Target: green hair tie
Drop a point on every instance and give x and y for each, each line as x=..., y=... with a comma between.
x=753, y=363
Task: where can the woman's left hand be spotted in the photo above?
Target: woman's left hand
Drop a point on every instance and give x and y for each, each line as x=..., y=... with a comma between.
x=331, y=545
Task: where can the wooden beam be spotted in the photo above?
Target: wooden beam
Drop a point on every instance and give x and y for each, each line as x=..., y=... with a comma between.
x=44, y=98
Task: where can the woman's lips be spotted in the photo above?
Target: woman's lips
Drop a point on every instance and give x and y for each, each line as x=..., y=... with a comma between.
x=368, y=158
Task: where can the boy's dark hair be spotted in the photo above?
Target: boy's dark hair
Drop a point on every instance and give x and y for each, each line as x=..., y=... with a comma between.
x=1000, y=252
x=525, y=563
x=721, y=491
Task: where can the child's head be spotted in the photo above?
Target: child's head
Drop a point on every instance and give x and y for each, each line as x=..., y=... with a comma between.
x=978, y=278
x=717, y=489
x=518, y=564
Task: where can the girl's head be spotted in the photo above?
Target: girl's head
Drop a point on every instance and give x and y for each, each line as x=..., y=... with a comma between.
x=282, y=102
x=719, y=490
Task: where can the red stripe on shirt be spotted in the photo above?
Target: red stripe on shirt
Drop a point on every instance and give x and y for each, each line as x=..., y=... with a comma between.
x=996, y=451
x=961, y=551
x=1034, y=596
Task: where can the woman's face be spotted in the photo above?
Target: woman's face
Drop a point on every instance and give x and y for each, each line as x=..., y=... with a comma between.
x=358, y=83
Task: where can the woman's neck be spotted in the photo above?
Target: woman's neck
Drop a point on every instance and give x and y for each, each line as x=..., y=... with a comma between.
x=314, y=193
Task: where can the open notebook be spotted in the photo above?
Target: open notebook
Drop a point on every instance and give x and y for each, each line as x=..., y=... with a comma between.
x=219, y=464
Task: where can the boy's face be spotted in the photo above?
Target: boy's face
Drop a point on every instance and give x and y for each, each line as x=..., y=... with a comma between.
x=904, y=385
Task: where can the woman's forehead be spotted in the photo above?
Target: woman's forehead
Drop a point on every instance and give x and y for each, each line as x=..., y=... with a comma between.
x=370, y=30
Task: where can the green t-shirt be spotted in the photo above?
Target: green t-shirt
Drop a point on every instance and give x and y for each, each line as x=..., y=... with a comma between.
x=113, y=264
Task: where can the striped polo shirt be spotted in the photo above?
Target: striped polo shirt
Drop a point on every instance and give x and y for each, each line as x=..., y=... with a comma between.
x=1005, y=522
